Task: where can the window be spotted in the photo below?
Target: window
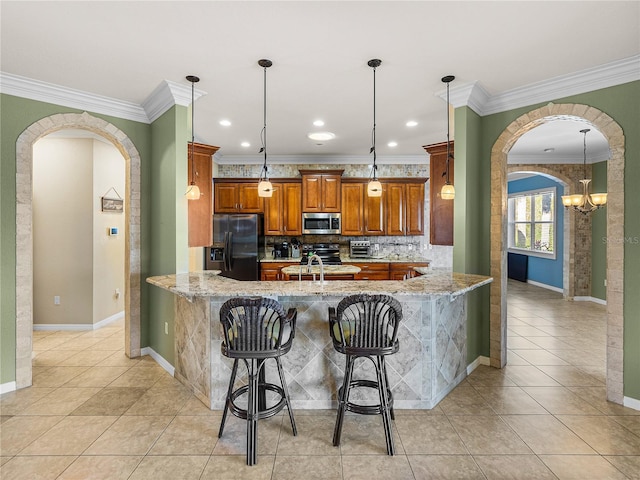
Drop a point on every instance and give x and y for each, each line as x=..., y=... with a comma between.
x=532, y=222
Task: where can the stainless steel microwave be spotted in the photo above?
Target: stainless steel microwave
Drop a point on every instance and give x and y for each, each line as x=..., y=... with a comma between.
x=321, y=223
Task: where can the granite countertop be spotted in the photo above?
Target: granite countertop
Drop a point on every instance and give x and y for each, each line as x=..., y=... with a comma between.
x=208, y=284
x=328, y=270
x=393, y=258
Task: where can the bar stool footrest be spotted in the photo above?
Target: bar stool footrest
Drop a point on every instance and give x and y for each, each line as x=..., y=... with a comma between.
x=266, y=413
x=365, y=409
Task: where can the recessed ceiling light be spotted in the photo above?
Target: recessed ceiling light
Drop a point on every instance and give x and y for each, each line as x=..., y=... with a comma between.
x=549, y=150
x=392, y=144
x=225, y=123
x=245, y=144
x=318, y=123
x=322, y=136
x=411, y=123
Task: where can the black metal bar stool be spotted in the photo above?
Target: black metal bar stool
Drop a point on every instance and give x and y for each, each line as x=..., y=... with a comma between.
x=254, y=330
x=366, y=326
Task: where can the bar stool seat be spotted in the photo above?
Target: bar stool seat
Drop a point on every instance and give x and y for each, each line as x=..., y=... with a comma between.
x=256, y=329
x=366, y=326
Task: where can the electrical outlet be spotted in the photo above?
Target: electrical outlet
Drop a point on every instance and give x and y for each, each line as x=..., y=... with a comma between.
x=166, y=328
x=605, y=282
x=56, y=300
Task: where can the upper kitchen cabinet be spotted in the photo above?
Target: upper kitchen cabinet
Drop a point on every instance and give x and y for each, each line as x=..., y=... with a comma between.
x=404, y=206
x=282, y=211
x=200, y=219
x=361, y=214
x=321, y=190
x=236, y=196
x=441, y=218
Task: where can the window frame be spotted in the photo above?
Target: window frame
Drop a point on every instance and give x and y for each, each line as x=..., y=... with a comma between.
x=532, y=222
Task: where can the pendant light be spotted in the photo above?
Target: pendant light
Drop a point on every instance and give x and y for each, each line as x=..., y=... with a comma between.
x=265, y=189
x=193, y=192
x=448, y=192
x=585, y=203
x=374, y=188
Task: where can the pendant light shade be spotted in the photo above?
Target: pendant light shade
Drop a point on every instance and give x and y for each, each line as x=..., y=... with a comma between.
x=193, y=191
x=265, y=188
x=448, y=192
x=585, y=202
x=374, y=188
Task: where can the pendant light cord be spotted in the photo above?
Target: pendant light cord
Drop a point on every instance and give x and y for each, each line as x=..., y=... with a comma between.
x=263, y=134
x=584, y=152
x=193, y=133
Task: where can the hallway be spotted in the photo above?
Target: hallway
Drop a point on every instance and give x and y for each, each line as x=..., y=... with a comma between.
x=93, y=413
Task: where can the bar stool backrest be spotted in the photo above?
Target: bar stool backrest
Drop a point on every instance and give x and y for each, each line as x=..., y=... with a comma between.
x=367, y=322
x=254, y=325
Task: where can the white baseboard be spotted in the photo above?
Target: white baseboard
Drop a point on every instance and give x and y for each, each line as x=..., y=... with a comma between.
x=544, y=285
x=631, y=403
x=7, y=387
x=159, y=359
x=481, y=360
x=79, y=326
x=590, y=299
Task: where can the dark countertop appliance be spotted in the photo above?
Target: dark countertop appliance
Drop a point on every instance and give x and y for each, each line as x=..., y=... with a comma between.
x=328, y=252
x=237, y=239
x=281, y=250
x=359, y=248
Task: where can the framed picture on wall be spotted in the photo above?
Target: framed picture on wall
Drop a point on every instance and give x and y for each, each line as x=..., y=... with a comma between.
x=112, y=205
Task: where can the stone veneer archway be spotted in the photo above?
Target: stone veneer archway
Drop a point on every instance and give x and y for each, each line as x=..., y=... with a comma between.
x=615, y=229
x=24, y=231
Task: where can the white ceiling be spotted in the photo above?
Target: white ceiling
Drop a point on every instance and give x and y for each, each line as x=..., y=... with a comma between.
x=124, y=50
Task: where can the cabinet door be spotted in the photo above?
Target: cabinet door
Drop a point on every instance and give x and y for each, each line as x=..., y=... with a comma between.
x=201, y=210
x=273, y=212
x=352, y=208
x=248, y=199
x=373, y=214
x=414, y=209
x=291, y=211
x=330, y=193
x=441, y=211
x=395, y=206
x=312, y=193
x=225, y=198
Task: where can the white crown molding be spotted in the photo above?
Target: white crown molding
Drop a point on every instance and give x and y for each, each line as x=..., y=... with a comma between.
x=610, y=74
x=24, y=87
x=545, y=158
x=323, y=159
x=166, y=95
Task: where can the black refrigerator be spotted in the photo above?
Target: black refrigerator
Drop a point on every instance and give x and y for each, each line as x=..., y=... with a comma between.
x=237, y=242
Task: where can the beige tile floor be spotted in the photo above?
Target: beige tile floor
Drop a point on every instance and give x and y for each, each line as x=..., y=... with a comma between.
x=94, y=414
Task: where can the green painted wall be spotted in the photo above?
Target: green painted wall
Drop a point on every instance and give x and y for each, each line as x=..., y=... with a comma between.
x=17, y=114
x=622, y=103
x=599, y=234
x=169, y=251
x=471, y=216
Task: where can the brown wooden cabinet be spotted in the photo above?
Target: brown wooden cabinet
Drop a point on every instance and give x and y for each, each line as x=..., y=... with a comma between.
x=441, y=211
x=272, y=270
x=404, y=205
x=200, y=211
x=236, y=196
x=321, y=190
x=371, y=271
x=404, y=270
x=282, y=211
x=361, y=214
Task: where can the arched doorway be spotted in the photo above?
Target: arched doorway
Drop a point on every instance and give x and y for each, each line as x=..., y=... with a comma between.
x=24, y=236
x=615, y=229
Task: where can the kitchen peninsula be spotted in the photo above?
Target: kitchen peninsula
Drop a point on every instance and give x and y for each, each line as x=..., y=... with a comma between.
x=431, y=361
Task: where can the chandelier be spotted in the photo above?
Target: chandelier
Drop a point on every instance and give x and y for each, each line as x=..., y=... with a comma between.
x=585, y=203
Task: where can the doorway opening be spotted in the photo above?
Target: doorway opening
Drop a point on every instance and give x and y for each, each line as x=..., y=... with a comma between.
x=615, y=228
x=24, y=231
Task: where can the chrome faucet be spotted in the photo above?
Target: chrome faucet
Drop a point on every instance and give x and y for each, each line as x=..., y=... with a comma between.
x=310, y=262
